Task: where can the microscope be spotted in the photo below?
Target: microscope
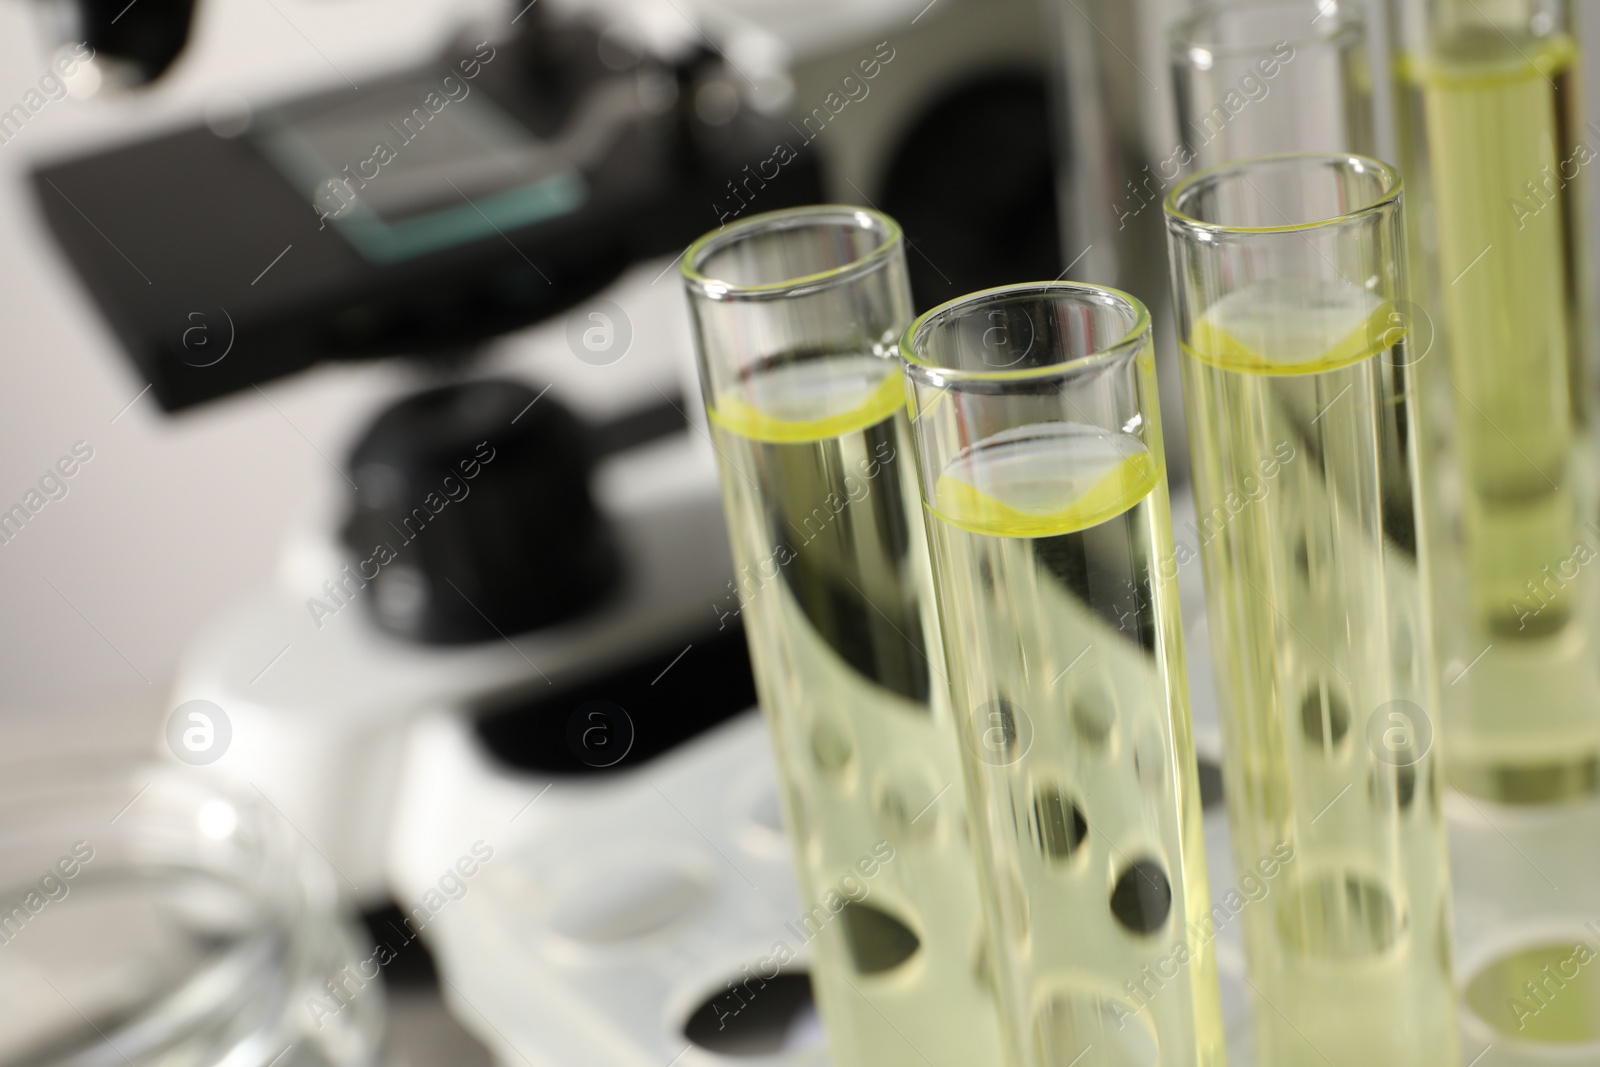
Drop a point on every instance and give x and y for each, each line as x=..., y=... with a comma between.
x=514, y=646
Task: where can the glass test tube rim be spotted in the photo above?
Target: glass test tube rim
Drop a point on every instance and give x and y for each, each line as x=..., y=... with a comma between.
x=926, y=371
x=890, y=238
x=1182, y=223
x=1185, y=36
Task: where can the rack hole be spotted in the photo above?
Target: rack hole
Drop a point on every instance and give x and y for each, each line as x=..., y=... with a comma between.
x=757, y=1017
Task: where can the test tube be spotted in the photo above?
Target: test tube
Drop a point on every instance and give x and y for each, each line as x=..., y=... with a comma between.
x=1495, y=153
x=795, y=316
x=1270, y=76
x=1039, y=451
x=1287, y=272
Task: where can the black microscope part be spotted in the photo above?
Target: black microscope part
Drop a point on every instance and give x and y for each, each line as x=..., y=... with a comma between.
x=647, y=704
x=217, y=273
x=472, y=516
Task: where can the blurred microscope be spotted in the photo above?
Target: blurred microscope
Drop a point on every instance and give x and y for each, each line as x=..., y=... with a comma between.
x=501, y=686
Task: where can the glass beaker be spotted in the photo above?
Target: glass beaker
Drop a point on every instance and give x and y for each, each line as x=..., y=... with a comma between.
x=150, y=916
